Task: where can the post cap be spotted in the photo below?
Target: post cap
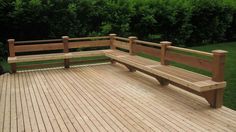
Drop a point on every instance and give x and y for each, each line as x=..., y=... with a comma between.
x=166, y=42
x=112, y=34
x=65, y=37
x=133, y=37
x=11, y=40
x=219, y=52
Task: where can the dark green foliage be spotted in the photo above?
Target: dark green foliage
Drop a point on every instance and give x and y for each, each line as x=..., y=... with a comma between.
x=184, y=22
x=210, y=21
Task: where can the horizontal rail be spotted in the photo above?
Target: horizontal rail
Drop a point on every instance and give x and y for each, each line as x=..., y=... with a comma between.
x=147, y=43
x=147, y=50
x=189, y=60
x=121, y=38
x=38, y=41
x=85, y=44
x=89, y=38
x=121, y=44
x=38, y=47
x=190, y=51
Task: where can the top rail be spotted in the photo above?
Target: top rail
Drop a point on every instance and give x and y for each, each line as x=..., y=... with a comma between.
x=121, y=38
x=38, y=41
x=147, y=43
x=89, y=38
x=191, y=51
x=59, y=40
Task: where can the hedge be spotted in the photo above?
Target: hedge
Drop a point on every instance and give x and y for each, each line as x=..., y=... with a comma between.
x=185, y=22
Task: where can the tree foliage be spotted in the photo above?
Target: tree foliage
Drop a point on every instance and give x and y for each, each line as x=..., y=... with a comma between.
x=185, y=22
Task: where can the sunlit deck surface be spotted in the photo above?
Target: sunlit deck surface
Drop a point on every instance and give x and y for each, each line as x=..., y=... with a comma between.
x=102, y=98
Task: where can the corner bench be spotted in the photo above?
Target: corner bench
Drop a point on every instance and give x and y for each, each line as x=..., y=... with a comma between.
x=124, y=51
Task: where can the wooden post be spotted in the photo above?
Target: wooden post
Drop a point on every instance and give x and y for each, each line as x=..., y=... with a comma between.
x=218, y=65
x=112, y=40
x=215, y=97
x=65, y=40
x=219, y=57
x=131, y=44
x=164, y=45
x=11, y=43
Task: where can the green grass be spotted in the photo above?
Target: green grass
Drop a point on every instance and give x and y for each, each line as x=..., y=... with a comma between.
x=230, y=69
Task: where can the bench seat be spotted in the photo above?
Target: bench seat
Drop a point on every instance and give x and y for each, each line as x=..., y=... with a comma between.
x=55, y=56
x=194, y=81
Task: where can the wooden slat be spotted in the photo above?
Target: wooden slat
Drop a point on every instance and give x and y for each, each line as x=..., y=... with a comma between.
x=147, y=43
x=55, y=56
x=121, y=44
x=37, y=41
x=147, y=50
x=83, y=44
x=189, y=60
x=190, y=51
x=13, y=104
x=122, y=38
x=89, y=38
x=38, y=47
x=31, y=58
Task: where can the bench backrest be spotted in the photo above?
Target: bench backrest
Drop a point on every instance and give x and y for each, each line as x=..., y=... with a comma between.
x=212, y=62
x=63, y=45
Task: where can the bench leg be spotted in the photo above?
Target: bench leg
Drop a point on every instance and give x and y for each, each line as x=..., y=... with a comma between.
x=66, y=63
x=214, y=97
x=13, y=68
x=131, y=69
x=113, y=61
x=162, y=81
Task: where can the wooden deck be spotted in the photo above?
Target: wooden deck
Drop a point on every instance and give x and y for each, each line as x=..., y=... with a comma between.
x=102, y=98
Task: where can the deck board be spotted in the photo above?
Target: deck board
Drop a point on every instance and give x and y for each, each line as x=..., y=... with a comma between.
x=102, y=98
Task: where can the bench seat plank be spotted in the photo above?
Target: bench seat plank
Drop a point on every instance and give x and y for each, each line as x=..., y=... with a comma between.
x=54, y=56
x=195, y=81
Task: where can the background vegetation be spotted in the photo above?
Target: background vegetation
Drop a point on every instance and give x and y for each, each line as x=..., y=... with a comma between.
x=185, y=22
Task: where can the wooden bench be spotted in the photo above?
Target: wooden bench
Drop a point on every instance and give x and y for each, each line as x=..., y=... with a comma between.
x=63, y=44
x=211, y=88
x=126, y=50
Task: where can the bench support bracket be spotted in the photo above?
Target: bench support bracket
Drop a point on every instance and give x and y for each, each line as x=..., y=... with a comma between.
x=112, y=61
x=131, y=69
x=214, y=97
x=162, y=81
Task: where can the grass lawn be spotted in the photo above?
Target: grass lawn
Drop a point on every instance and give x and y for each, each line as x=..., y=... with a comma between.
x=230, y=70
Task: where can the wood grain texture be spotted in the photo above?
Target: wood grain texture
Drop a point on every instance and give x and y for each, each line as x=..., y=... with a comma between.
x=39, y=47
x=87, y=99
x=121, y=44
x=147, y=50
x=198, y=86
x=55, y=56
x=94, y=43
x=189, y=60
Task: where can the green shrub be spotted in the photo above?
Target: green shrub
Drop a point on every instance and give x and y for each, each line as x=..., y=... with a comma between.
x=185, y=22
x=210, y=21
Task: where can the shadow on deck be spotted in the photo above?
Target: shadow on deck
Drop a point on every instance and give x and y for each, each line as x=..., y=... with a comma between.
x=102, y=98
